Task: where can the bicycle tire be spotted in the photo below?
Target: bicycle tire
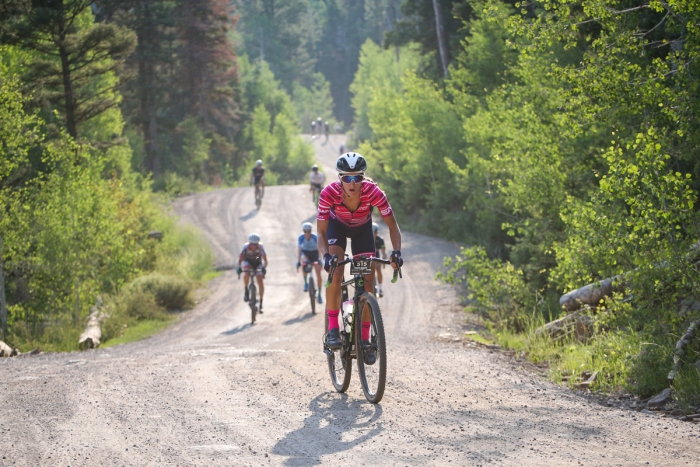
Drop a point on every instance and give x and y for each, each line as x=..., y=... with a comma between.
x=372, y=377
x=312, y=294
x=252, y=301
x=341, y=372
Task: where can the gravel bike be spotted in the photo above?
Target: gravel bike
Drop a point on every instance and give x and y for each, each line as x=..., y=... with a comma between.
x=372, y=377
x=252, y=295
x=309, y=270
x=259, y=193
x=316, y=194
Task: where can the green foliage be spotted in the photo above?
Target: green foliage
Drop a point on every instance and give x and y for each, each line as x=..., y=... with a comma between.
x=313, y=102
x=170, y=292
x=273, y=133
x=565, y=146
x=378, y=70
x=496, y=289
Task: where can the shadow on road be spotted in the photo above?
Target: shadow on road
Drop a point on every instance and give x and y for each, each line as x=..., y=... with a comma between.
x=236, y=330
x=254, y=212
x=299, y=319
x=333, y=426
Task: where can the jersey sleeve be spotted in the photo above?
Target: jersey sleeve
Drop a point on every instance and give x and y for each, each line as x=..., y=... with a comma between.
x=300, y=239
x=378, y=199
x=325, y=202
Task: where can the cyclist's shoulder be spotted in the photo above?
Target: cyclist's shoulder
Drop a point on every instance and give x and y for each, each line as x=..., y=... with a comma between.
x=332, y=189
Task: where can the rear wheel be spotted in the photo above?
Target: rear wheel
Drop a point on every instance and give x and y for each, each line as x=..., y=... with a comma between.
x=339, y=361
x=252, y=301
x=312, y=294
x=372, y=377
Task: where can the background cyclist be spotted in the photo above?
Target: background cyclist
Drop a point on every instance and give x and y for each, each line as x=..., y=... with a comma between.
x=257, y=178
x=308, y=250
x=313, y=129
x=345, y=211
x=379, y=252
x=316, y=180
x=253, y=260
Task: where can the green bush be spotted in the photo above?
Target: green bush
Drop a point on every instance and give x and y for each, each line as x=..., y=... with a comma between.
x=171, y=292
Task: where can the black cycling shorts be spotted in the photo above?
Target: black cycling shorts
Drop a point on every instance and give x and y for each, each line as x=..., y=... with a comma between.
x=311, y=256
x=361, y=237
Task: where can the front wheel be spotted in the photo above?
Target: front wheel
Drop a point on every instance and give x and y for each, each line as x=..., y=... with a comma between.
x=252, y=301
x=312, y=294
x=340, y=361
x=372, y=377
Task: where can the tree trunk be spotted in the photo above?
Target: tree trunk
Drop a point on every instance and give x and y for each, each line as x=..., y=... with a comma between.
x=394, y=19
x=3, y=305
x=442, y=46
x=67, y=83
x=90, y=338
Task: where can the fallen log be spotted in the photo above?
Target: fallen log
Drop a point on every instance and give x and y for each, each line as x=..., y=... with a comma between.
x=592, y=294
x=7, y=351
x=680, y=349
x=90, y=338
x=576, y=324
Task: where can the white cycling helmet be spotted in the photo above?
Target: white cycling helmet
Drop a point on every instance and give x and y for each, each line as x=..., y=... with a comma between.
x=306, y=226
x=258, y=163
x=351, y=162
x=254, y=238
x=375, y=227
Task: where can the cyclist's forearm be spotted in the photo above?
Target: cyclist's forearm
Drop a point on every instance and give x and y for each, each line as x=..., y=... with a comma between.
x=394, y=232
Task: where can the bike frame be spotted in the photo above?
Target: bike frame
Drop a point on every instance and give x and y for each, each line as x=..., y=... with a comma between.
x=357, y=281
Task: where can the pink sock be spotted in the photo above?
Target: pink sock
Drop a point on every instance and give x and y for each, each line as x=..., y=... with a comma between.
x=365, y=330
x=333, y=319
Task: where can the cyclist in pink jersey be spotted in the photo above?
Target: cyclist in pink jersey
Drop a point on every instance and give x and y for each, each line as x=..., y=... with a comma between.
x=345, y=211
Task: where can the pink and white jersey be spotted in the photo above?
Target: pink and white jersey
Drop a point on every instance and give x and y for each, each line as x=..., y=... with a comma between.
x=330, y=204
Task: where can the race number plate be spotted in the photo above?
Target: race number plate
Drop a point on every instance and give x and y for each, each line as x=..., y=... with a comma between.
x=361, y=267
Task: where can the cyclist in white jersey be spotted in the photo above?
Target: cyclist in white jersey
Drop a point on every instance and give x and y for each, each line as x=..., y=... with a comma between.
x=316, y=180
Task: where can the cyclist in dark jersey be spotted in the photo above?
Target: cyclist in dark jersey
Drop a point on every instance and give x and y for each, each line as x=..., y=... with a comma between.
x=257, y=178
x=380, y=252
x=253, y=261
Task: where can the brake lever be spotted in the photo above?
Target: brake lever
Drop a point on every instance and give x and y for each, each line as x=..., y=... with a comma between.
x=334, y=264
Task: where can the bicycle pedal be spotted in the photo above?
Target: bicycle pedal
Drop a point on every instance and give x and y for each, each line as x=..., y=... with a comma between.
x=327, y=351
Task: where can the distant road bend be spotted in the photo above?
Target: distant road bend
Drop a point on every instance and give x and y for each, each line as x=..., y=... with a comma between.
x=214, y=390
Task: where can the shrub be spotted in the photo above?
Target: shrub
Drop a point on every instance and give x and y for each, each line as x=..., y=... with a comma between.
x=171, y=292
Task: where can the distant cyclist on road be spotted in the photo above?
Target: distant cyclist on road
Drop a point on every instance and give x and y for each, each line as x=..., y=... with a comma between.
x=308, y=251
x=316, y=181
x=253, y=260
x=380, y=252
x=343, y=149
x=313, y=129
x=345, y=210
x=326, y=129
x=257, y=178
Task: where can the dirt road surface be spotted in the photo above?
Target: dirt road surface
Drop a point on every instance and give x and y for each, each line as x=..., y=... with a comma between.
x=214, y=390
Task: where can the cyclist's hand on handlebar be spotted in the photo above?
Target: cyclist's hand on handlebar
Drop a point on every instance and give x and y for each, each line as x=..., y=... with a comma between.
x=239, y=271
x=298, y=265
x=327, y=258
x=396, y=259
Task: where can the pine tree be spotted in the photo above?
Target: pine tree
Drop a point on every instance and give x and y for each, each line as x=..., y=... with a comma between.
x=72, y=53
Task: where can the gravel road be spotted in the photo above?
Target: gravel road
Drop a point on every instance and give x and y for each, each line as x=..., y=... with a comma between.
x=214, y=390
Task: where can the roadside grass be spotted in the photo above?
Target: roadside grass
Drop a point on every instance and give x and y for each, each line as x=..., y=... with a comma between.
x=140, y=330
x=147, y=305
x=175, y=267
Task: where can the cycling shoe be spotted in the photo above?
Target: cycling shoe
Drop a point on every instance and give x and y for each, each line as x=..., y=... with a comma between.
x=333, y=339
x=245, y=296
x=306, y=287
x=369, y=353
x=320, y=300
